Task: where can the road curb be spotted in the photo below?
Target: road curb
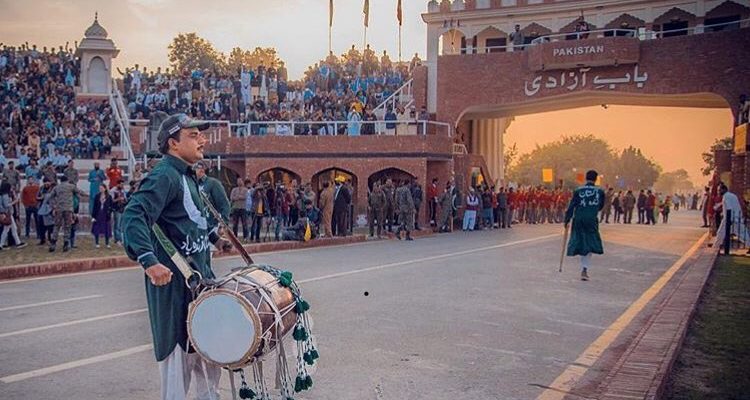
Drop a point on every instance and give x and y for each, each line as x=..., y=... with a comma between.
x=93, y=264
x=643, y=370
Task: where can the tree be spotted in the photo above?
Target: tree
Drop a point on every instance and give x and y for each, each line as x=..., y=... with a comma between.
x=188, y=51
x=239, y=58
x=573, y=155
x=674, y=182
x=510, y=155
x=708, y=156
x=566, y=157
x=634, y=170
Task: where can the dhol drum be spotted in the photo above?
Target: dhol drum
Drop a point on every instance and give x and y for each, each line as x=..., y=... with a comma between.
x=241, y=316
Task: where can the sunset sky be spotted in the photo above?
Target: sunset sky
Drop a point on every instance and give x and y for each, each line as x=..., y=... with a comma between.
x=673, y=137
x=142, y=29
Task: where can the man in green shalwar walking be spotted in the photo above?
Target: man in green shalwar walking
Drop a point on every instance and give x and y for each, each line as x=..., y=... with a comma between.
x=169, y=198
x=583, y=209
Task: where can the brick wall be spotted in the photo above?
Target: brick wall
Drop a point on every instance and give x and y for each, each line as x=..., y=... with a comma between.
x=717, y=63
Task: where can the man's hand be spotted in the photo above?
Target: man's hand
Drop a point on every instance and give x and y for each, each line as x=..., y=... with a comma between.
x=159, y=274
x=566, y=225
x=223, y=245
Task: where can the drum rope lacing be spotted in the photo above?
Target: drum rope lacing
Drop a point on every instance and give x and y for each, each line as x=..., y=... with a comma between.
x=306, y=350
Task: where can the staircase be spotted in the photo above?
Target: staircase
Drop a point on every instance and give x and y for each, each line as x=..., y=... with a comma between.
x=120, y=114
x=403, y=97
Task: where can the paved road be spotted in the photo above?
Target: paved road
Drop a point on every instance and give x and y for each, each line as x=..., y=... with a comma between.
x=456, y=316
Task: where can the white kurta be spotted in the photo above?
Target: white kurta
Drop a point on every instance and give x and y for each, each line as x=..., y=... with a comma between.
x=730, y=202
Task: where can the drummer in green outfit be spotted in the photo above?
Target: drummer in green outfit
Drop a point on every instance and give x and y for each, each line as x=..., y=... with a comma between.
x=583, y=209
x=168, y=196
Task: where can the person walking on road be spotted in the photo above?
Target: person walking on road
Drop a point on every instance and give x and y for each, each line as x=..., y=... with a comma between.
x=583, y=209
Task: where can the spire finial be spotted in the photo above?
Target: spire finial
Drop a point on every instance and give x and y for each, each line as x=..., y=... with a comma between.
x=96, y=16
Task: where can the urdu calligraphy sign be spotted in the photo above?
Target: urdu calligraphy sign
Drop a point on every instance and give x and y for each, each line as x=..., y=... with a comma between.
x=566, y=54
x=581, y=79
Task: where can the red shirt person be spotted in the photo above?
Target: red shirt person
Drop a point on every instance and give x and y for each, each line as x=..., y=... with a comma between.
x=114, y=174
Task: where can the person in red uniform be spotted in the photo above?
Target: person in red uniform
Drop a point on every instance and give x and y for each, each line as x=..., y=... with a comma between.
x=114, y=174
x=432, y=201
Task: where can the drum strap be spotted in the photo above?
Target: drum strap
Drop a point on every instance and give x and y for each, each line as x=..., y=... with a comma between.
x=182, y=264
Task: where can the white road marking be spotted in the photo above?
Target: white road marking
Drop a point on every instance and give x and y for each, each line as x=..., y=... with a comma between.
x=47, y=303
x=138, y=349
x=74, y=364
x=431, y=258
x=564, y=321
x=76, y=322
x=215, y=260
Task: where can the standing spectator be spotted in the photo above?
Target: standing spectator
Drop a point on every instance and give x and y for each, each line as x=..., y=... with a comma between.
x=650, y=206
x=607, y=209
x=446, y=210
x=486, y=204
x=390, y=203
x=517, y=38
x=704, y=206
x=418, y=196
x=33, y=171
x=114, y=173
x=502, y=209
x=102, y=216
x=49, y=172
x=341, y=200
x=46, y=221
x=260, y=209
x=12, y=176
x=641, y=205
x=62, y=201
x=6, y=209
x=405, y=206
x=376, y=206
x=96, y=178
x=238, y=214
x=72, y=173
x=29, y=201
x=472, y=205
x=629, y=204
x=432, y=201
x=326, y=208
x=119, y=201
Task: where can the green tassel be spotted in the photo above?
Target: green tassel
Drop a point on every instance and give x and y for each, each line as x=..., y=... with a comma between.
x=301, y=306
x=314, y=354
x=285, y=279
x=247, y=393
x=299, y=384
x=308, y=382
x=300, y=333
x=308, y=358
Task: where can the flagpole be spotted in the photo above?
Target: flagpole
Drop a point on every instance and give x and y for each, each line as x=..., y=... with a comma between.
x=399, y=43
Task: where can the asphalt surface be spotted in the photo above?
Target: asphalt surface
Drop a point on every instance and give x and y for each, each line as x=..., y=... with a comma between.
x=453, y=316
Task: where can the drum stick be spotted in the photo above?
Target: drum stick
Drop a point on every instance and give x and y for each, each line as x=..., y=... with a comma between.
x=564, y=245
x=230, y=234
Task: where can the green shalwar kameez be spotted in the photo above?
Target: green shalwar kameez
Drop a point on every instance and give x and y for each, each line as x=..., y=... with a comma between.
x=169, y=197
x=584, y=208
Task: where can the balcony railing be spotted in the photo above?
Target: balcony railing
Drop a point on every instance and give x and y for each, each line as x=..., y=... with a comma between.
x=640, y=33
x=221, y=130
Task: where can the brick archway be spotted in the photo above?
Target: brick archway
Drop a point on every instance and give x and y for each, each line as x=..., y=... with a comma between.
x=681, y=71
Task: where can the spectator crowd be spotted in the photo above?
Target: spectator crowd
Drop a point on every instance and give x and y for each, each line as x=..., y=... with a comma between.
x=39, y=115
x=346, y=88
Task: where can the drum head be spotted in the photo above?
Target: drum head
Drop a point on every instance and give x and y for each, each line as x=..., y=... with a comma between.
x=224, y=328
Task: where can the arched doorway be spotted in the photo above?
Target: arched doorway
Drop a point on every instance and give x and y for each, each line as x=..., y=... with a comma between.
x=98, y=76
x=227, y=176
x=282, y=176
x=454, y=42
x=394, y=174
x=330, y=175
